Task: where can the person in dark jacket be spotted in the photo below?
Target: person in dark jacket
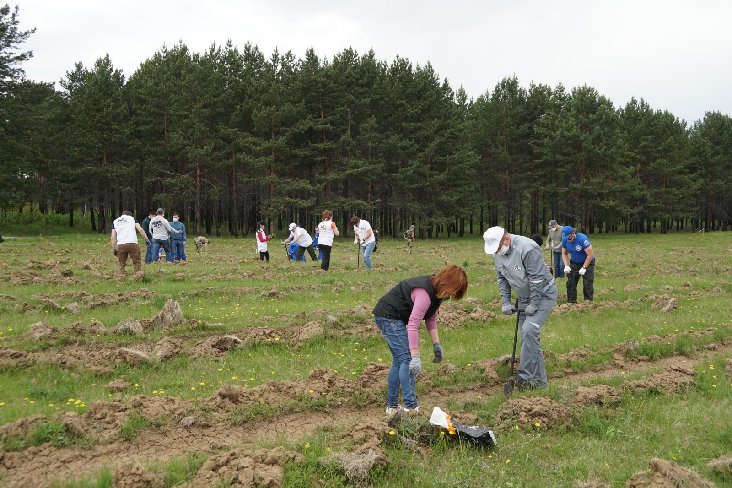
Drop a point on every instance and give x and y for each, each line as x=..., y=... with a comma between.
x=398, y=315
x=146, y=227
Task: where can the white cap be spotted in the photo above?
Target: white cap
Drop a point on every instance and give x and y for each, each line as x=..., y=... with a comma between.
x=492, y=237
x=292, y=226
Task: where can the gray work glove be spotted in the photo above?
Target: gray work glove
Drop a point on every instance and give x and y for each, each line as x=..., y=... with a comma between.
x=437, y=349
x=507, y=309
x=148, y=243
x=567, y=269
x=415, y=366
x=531, y=309
x=114, y=251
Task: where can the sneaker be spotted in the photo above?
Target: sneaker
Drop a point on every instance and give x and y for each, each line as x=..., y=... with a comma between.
x=393, y=410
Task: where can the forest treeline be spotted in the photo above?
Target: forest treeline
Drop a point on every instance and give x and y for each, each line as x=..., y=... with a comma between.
x=230, y=136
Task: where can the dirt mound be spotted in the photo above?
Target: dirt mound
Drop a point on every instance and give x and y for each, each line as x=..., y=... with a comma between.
x=667, y=474
x=664, y=303
x=129, y=326
x=592, y=484
x=10, y=358
x=73, y=423
x=326, y=382
x=307, y=332
x=20, y=429
x=273, y=293
x=533, y=412
x=597, y=395
x=216, y=346
x=374, y=376
x=452, y=315
x=634, y=287
x=133, y=475
x=170, y=316
x=489, y=366
x=241, y=468
x=39, y=330
x=367, y=435
x=118, y=386
x=133, y=357
x=722, y=465
x=167, y=347
x=676, y=378
x=356, y=465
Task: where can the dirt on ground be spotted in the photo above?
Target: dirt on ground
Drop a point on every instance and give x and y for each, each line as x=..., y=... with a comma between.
x=245, y=469
x=533, y=412
x=667, y=474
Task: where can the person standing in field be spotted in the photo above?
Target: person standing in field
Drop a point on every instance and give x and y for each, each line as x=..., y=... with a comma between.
x=124, y=243
x=520, y=267
x=579, y=261
x=302, y=238
x=161, y=230
x=146, y=227
x=364, y=237
x=398, y=315
x=409, y=237
x=554, y=242
x=327, y=230
x=262, y=239
x=178, y=241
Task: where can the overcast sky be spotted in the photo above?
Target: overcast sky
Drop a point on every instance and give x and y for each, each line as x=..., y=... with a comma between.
x=676, y=54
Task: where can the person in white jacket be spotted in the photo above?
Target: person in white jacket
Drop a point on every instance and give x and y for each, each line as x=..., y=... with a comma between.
x=262, y=239
x=327, y=230
x=364, y=236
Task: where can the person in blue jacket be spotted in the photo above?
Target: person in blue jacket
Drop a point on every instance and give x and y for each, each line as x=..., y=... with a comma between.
x=178, y=240
x=579, y=261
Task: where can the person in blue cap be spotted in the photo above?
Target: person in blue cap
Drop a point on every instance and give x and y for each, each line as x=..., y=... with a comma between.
x=579, y=261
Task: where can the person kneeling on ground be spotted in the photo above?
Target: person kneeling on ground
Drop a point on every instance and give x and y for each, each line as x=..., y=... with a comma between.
x=398, y=315
x=520, y=266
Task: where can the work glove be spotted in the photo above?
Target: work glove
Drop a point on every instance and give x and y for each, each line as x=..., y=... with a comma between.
x=147, y=242
x=114, y=251
x=531, y=309
x=567, y=269
x=546, y=248
x=582, y=271
x=507, y=309
x=356, y=241
x=415, y=366
x=437, y=349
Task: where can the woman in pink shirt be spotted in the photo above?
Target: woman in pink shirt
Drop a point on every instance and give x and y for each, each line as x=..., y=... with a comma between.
x=398, y=315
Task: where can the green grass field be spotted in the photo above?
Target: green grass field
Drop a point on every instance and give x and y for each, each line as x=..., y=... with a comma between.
x=230, y=292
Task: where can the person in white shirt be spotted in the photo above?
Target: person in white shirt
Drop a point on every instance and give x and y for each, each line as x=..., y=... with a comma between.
x=124, y=243
x=365, y=238
x=303, y=239
x=327, y=230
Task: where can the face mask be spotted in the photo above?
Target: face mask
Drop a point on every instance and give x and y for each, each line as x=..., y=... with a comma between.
x=503, y=250
x=175, y=219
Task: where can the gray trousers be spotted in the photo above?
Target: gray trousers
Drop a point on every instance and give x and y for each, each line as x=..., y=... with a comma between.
x=531, y=369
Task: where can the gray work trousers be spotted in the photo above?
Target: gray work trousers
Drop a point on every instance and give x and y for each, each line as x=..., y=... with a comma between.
x=531, y=369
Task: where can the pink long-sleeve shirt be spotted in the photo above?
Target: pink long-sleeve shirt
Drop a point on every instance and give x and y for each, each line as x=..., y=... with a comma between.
x=421, y=300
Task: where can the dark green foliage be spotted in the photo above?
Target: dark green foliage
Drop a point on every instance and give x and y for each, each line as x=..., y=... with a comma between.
x=230, y=136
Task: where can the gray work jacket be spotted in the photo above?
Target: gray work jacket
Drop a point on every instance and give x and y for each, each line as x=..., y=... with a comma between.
x=523, y=269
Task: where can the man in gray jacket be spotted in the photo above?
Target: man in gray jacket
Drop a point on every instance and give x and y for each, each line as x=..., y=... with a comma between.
x=160, y=229
x=554, y=242
x=520, y=266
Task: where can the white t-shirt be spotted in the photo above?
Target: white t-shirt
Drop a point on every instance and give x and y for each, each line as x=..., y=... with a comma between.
x=360, y=231
x=302, y=237
x=261, y=246
x=126, y=232
x=326, y=234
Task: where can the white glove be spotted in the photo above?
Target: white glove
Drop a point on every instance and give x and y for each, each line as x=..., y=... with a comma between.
x=582, y=271
x=567, y=269
x=356, y=241
x=546, y=248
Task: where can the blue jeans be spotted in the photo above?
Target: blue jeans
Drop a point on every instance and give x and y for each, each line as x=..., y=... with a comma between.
x=395, y=333
x=149, y=254
x=179, y=250
x=558, y=264
x=165, y=244
x=366, y=251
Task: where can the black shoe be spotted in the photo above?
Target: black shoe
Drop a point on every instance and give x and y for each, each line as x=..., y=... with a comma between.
x=518, y=382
